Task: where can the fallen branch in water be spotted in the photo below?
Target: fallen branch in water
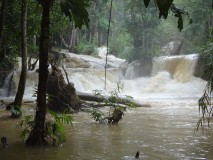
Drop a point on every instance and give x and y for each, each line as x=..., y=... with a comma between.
x=120, y=100
x=117, y=105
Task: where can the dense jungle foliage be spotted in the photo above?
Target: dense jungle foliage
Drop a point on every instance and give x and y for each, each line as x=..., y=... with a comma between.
x=135, y=30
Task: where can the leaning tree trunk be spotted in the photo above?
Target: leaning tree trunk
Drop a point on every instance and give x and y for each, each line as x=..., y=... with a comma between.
x=22, y=80
x=37, y=136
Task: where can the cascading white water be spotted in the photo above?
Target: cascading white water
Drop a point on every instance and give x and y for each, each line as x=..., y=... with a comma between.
x=131, y=72
x=87, y=80
x=5, y=90
x=181, y=68
x=172, y=77
x=92, y=78
x=31, y=82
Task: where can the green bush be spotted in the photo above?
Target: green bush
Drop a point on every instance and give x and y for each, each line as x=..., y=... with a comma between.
x=205, y=102
x=15, y=111
x=86, y=48
x=120, y=45
x=117, y=107
x=54, y=130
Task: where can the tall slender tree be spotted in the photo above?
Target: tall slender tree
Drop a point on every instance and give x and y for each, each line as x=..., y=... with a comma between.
x=76, y=11
x=22, y=80
x=37, y=134
x=2, y=18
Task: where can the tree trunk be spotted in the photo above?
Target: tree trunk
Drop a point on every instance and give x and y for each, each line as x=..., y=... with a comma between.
x=100, y=39
x=31, y=66
x=73, y=39
x=2, y=17
x=37, y=136
x=22, y=80
x=63, y=41
x=177, y=52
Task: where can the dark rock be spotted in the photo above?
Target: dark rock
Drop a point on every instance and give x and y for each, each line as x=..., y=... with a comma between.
x=200, y=68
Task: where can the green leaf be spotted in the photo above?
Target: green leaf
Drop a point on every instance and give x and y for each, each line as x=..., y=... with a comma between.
x=76, y=11
x=163, y=7
x=146, y=3
x=15, y=112
x=180, y=22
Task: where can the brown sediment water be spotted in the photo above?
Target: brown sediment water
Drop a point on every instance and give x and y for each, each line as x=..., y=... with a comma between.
x=164, y=131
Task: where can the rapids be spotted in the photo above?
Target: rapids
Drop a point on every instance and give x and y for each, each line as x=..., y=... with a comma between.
x=164, y=131
x=172, y=77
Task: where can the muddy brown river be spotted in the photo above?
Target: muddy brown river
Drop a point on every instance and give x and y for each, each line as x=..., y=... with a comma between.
x=166, y=131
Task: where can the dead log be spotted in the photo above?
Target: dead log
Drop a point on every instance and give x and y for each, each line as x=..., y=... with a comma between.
x=120, y=100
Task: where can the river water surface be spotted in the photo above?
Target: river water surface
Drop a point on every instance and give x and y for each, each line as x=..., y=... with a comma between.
x=164, y=131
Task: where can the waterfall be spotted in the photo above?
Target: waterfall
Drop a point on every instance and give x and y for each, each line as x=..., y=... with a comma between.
x=87, y=80
x=31, y=82
x=6, y=87
x=171, y=77
x=132, y=70
x=181, y=68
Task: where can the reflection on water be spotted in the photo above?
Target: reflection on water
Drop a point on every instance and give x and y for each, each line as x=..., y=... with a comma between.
x=164, y=131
